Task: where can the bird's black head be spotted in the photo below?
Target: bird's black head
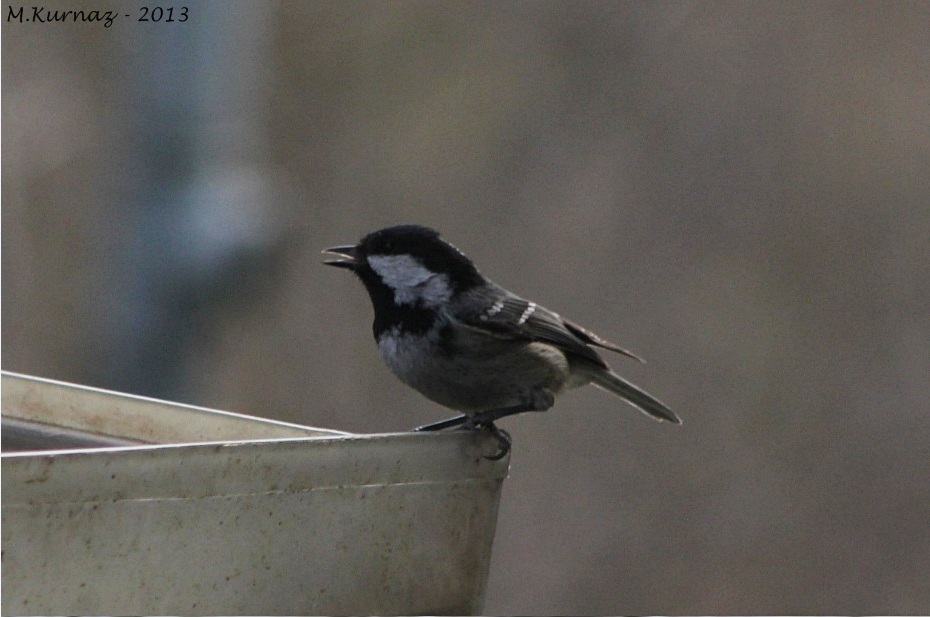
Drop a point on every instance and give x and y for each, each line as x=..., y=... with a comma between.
x=409, y=272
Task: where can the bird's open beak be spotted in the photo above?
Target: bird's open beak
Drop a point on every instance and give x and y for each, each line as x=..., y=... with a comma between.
x=345, y=257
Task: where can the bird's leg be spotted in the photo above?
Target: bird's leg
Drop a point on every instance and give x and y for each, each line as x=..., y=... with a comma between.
x=472, y=423
x=438, y=426
x=486, y=419
x=541, y=400
x=489, y=417
x=504, y=441
x=478, y=420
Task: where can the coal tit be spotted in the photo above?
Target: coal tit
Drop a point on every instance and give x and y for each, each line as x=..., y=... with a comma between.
x=469, y=344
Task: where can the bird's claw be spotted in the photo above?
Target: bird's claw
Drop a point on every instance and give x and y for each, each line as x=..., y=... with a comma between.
x=474, y=423
x=504, y=440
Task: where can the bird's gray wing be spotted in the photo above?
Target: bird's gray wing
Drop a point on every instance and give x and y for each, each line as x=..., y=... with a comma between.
x=505, y=314
x=592, y=339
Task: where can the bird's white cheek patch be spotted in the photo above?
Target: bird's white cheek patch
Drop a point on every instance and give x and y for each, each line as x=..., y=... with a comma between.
x=410, y=280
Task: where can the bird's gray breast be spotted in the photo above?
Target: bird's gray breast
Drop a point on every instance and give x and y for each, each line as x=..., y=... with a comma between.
x=472, y=371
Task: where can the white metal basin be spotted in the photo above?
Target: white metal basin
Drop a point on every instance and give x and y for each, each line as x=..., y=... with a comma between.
x=246, y=520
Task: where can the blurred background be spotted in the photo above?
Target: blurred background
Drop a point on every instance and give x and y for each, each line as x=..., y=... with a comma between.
x=738, y=192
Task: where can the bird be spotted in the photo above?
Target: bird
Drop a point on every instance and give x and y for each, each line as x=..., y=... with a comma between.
x=468, y=344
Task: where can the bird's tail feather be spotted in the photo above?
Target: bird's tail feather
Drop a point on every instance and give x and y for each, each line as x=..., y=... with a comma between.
x=643, y=401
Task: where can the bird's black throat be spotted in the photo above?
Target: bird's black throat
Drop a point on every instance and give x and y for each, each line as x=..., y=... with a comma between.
x=408, y=318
